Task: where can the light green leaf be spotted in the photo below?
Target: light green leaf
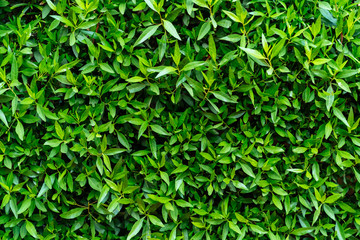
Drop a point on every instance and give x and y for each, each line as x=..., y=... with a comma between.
x=247, y=169
x=274, y=149
x=345, y=73
x=53, y=142
x=257, y=229
x=25, y=205
x=320, y=61
x=278, y=47
x=103, y=193
x=224, y=97
x=343, y=85
x=340, y=116
x=160, y=130
x=106, y=67
x=74, y=213
x=254, y=53
x=300, y=150
x=328, y=130
x=193, y=65
x=232, y=16
x=201, y=3
x=114, y=151
x=340, y=231
x=333, y=198
x=148, y=32
x=3, y=118
x=328, y=210
x=234, y=227
x=20, y=130
x=302, y=231
x=165, y=71
x=171, y=29
x=31, y=229
x=63, y=20
x=156, y=221
x=135, y=229
x=357, y=175
x=279, y=191
x=205, y=28
x=88, y=24
x=212, y=48
x=152, y=4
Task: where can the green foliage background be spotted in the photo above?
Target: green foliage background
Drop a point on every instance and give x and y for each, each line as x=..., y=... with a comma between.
x=180, y=119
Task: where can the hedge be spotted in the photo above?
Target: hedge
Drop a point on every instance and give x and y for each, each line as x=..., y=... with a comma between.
x=179, y=119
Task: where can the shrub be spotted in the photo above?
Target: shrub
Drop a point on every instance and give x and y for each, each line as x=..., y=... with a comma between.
x=184, y=119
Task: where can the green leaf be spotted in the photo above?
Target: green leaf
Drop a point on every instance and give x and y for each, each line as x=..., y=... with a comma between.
x=169, y=27
x=177, y=54
x=173, y=234
x=88, y=24
x=152, y=4
x=156, y=221
x=254, y=53
x=232, y=38
x=224, y=97
x=205, y=28
x=20, y=130
x=207, y=156
x=59, y=130
x=31, y=229
x=257, y=229
x=346, y=73
x=328, y=130
x=95, y=184
x=357, y=175
x=142, y=129
x=114, y=151
x=160, y=130
x=232, y=16
x=53, y=142
x=103, y=193
x=274, y=149
x=279, y=191
x=51, y=5
x=135, y=229
x=339, y=231
x=343, y=85
x=148, y=32
x=328, y=210
x=321, y=61
x=14, y=74
x=122, y=139
x=74, y=213
x=277, y=48
x=24, y=206
x=212, y=48
x=106, y=67
x=3, y=118
x=277, y=202
x=340, y=116
x=201, y=3
x=302, y=231
x=193, y=65
x=180, y=169
x=300, y=150
x=63, y=20
x=333, y=198
x=165, y=71
x=247, y=169
x=234, y=227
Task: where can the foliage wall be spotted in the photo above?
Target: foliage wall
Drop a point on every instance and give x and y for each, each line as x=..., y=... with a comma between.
x=179, y=119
